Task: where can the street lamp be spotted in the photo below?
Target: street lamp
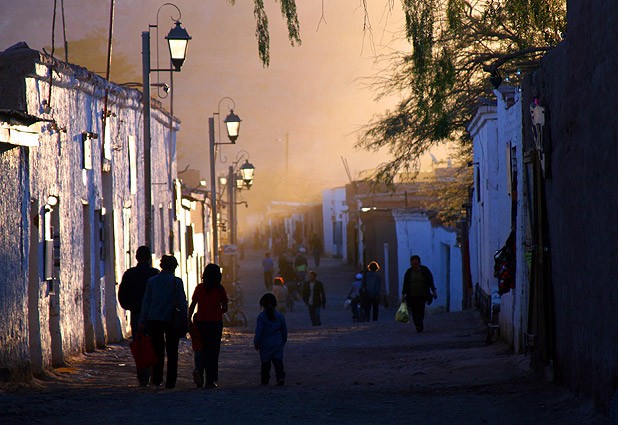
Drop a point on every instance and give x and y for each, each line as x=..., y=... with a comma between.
x=246, y=171
x=177, y=39
x=232, y=125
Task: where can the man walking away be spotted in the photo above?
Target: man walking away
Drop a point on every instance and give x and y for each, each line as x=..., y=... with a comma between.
x=418, y=286
x=316, y=249
x=131, y=294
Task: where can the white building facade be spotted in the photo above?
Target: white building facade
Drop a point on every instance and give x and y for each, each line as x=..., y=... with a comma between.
x=72, y=212
x=498, y=207
x=335, y=220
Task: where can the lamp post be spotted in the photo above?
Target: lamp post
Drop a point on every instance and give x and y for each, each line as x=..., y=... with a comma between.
x=244, y=180
x=232, y=125
x=177, y=39
x=244, y=175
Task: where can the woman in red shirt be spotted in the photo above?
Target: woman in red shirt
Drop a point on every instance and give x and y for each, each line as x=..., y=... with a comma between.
x=211, y=300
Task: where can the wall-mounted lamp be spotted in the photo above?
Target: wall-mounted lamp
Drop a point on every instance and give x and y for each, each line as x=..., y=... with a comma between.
x=52, y=200
x=495, y=78
x=46, y=107
x=54, y=127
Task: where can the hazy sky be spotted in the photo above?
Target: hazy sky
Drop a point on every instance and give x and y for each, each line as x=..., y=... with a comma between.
x=310, y=93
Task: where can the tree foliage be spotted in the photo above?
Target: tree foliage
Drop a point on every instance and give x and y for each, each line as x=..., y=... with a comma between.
x=288, y=10
x=456, y=46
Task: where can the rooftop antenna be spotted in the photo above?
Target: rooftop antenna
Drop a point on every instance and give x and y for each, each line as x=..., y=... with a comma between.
x=347, y=171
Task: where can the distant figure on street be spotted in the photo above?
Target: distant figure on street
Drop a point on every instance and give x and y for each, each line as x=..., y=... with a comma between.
x=164, y=292
x=211, y=300
x=371, y=290
x=315, y=245
x=271, y=334
x=282, y=294
x=300, y=267
x=268, y=266
x=355, y=299
x=314, y=297
x=418, y=287
x=131, y=294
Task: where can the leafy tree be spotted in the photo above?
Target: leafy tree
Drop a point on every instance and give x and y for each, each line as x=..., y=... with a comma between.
x=455, y=44
x=449, y=189
x=288, y=10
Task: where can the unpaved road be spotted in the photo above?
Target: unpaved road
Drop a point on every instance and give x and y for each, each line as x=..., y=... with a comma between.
x=340, y=373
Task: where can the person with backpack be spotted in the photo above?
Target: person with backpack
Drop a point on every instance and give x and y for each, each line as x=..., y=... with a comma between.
x=271, y=334
x=131, y=293
x=164, y=295
x=418, y=289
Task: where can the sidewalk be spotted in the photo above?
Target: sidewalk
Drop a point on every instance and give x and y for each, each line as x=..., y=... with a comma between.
x=338, y=373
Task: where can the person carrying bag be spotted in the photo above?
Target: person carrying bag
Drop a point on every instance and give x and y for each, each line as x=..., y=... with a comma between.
x=402, y=314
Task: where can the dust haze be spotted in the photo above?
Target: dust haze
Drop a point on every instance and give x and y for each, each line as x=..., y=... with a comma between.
x=309, y=98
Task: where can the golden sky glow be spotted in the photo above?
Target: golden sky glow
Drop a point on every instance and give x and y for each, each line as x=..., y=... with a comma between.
x=310, y=95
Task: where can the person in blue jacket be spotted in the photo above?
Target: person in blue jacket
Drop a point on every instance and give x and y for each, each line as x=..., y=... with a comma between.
x=371, y=290
x=271, y=334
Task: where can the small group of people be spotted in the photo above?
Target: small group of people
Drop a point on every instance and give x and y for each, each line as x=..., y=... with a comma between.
x=365, y=294
x=291, y=277
x=418, y=290
x=153, y=297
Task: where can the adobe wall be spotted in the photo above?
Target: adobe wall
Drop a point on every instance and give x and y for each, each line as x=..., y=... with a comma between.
x=13, y=288
x=82, y=312
x=577, y=85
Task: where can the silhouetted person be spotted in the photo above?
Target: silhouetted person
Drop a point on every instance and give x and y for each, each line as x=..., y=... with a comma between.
x=315, y=245
x=131, y=294
x=211, y=301
x=371, y=290
x=164, y=293
x=271, y=334
x=418, y=286
x=314, y=297
x=268, y=266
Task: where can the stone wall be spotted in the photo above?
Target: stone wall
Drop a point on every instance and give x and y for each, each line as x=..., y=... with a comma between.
x=577, y=85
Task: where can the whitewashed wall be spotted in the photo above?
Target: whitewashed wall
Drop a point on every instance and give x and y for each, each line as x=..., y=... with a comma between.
x=497, y=135
x=438, y=250
x=80, y=312
x=514, y=304
x=334, y=209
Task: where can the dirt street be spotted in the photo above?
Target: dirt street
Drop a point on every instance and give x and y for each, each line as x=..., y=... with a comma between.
x=339, y=373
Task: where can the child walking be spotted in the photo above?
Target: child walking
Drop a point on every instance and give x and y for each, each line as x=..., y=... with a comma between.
x=271, y=334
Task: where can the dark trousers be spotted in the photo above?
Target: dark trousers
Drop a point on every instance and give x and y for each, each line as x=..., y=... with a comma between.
x=314, y=315
x=208, y=358
x=143, y=375
x=369, y=304
x=356, y=309
x=316, y=258
x=268, y=280
x=265, y=370
x=416, y=305
x=165, y=341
